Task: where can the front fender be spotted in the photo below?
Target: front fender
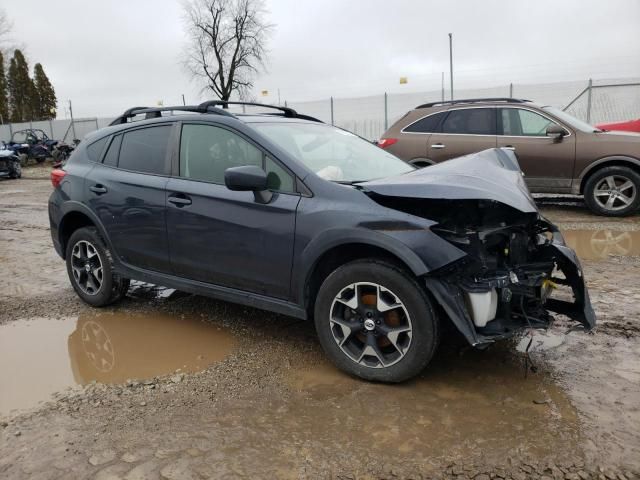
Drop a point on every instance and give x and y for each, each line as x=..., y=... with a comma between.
x=418, y=248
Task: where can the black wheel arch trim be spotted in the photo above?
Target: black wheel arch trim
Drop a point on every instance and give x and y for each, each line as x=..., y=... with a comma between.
x=408, y=246
x=71, y=207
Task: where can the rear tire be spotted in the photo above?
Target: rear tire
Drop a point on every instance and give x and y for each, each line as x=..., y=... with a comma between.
x=387, y=330
x=90, y=269
x=613, y=191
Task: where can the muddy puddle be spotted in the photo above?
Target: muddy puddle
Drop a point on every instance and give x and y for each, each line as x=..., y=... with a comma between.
x=599, y=244
x=41, y=356
x=474, y=404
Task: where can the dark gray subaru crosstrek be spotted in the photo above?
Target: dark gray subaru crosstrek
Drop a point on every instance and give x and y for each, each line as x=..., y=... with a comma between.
x=284, y=213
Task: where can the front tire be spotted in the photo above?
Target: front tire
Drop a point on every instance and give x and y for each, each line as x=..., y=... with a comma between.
x=90, y=269
x=613, y=191
x=16, y=169
x=374, y=321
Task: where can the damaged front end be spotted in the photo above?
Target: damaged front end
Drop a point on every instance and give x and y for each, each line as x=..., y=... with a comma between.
x=517, y=270
x=515, y=273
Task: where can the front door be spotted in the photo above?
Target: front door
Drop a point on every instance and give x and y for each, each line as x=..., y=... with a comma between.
x=547, y=163
x=224, y=237
x=464, y=131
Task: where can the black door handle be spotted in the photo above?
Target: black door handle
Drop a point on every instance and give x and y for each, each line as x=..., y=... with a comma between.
x=180, y=201
x=98, y=189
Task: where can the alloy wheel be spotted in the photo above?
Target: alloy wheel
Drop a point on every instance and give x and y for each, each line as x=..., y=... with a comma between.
x=615, y=192
x=86, y=266
x=370, y=324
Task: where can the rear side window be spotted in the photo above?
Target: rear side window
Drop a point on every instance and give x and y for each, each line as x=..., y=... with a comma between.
x=207, y=151
x=94, y=151
x=145, y=150
x=111, y=157
x=428, y=124
x=471, y=121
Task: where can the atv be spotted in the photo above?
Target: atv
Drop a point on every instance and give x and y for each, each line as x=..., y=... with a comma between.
x=33, y=143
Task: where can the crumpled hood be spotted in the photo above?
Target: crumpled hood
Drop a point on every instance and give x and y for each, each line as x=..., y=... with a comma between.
x=492, y=174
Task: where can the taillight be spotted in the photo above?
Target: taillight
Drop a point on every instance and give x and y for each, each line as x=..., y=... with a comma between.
x=57, y=174
x=387, y=142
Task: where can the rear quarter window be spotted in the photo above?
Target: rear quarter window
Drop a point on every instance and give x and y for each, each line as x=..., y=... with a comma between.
x=145, y=150
x=428, y=124
x=94, y=150
x=111, y=157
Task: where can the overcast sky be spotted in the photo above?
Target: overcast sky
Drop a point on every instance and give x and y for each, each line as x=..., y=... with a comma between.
x=108, y=56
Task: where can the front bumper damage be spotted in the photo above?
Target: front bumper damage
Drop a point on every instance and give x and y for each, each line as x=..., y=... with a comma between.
x=517, y=270
x=487, y=304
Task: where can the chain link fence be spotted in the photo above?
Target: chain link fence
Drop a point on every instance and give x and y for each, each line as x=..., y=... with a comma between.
x=595, y=102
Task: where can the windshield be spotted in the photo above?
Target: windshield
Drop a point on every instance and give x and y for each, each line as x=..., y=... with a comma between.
x=332, y=153
x=571, y=120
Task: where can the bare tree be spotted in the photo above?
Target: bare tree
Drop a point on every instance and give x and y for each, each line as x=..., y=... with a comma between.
x=6, y=26
x=227, y=43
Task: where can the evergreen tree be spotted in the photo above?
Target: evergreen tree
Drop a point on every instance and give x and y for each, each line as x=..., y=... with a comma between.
x=20, y=88
x=4, y=101
x=46, y=95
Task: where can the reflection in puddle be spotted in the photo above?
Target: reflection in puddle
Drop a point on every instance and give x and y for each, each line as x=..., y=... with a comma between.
x=599, y=244
x=41, y=356
x=477, y=402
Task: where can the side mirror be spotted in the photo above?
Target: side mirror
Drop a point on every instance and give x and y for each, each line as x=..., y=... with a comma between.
x=248, y=178
x=556, y=132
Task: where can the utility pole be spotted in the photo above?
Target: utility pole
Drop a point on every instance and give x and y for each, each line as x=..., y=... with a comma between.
x=442, y=87
x=73, y=126
x=451, y=62
x=278, y=96
x=183, y=101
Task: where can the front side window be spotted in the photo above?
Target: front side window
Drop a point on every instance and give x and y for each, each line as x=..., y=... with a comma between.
x=278, y=179
x=207, y=151
x=471, y=121
x=145, y=150
x=332, y=153
x=519, y=122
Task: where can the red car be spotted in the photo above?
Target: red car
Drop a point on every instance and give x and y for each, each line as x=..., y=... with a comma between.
x=629, y=126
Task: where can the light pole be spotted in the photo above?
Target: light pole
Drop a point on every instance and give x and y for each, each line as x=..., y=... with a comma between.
x=451, y=62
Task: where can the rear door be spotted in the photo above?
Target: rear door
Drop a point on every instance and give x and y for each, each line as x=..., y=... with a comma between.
x=224, y=237
x=464, y=131
x=126, y=189
x=413, y=144
x=546, y=162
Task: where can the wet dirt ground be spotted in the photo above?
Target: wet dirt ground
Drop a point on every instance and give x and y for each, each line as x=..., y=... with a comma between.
x=169, y=385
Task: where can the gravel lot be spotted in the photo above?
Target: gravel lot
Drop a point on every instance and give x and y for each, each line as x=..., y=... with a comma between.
x=174, y=386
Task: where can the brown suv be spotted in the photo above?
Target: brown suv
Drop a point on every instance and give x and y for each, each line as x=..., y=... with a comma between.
x=557, y=152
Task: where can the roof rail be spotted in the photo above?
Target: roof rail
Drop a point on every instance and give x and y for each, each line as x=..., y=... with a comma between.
x=474, y=100
x=155, y=112
x=286, y=111
x=210, y=106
